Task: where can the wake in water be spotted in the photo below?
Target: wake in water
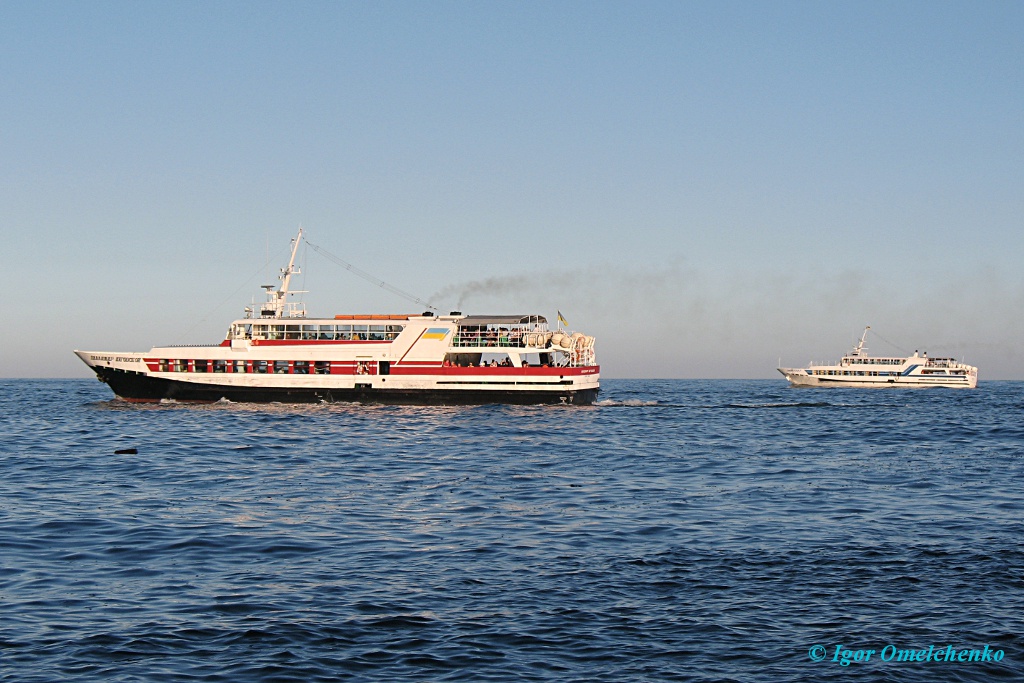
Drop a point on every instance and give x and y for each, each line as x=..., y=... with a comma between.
x=820, y=404
x=629, y=402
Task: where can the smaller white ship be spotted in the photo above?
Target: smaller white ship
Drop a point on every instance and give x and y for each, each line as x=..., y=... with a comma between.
x=858, y=369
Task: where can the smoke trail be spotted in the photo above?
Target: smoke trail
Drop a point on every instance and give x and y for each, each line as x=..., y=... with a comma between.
x=604, y=283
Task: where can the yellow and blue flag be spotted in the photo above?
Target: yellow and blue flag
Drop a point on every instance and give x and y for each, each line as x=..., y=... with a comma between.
x=436, y=333
x=561, y=320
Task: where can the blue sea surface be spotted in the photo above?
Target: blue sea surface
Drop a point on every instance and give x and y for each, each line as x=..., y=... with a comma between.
x=675, y=531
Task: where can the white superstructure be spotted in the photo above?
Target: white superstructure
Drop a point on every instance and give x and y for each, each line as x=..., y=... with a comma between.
x=858, y=369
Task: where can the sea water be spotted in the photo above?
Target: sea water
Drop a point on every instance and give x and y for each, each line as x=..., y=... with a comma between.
x=676, y=531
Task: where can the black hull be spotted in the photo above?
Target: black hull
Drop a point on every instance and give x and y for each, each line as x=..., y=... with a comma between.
x=134, y=386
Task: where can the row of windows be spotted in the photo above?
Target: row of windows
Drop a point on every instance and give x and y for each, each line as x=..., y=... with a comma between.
x=855, y=373
x=332, y=332
x=876, y=373
x=279, y=367
x=492, y=337
x=875, y=361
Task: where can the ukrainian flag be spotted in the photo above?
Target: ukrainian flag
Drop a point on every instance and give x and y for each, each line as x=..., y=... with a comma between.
x=436, y=333
x=561, y=320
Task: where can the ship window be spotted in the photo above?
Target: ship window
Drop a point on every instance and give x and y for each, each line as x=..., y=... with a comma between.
x=301, y=367
x=275, y=332
x=259, y=366
x=360, y=332
x=309, y=332
x=220, y=366
x=200, y=366
x=292, y=331
x=327, y=332
x=394, y=331
x=280, y=367
x=239, y=366
x=377, y=332
x=259, y=331
x=181, y=366
x=322, y=367
x=344, y=332
x=161, y=365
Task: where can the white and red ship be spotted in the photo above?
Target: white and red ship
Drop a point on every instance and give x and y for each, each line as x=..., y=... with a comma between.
x=279, y=354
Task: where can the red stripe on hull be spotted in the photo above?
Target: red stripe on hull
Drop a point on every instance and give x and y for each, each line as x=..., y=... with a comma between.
x=316, y=342
x=457, y=371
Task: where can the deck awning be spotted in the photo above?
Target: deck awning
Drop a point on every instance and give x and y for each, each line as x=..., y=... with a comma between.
x=484, y=320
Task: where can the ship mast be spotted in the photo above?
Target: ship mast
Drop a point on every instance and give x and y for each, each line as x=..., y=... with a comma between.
x=860, y=345
x=276, y=303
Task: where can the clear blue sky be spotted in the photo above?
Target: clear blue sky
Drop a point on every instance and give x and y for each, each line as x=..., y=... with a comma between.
x=704, y=186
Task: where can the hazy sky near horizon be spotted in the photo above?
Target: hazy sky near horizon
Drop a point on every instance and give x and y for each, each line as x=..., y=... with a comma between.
x=706, y=187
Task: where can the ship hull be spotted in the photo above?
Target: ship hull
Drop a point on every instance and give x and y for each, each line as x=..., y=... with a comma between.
x=137, y=386
x=799, y=378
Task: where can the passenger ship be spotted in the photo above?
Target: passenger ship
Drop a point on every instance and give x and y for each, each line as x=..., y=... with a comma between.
x=279, y=355
x=858, y=369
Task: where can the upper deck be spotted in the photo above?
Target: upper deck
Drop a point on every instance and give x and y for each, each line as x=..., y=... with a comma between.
x=456, y=338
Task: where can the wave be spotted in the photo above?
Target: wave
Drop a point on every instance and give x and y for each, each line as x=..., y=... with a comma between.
x=800, y=404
